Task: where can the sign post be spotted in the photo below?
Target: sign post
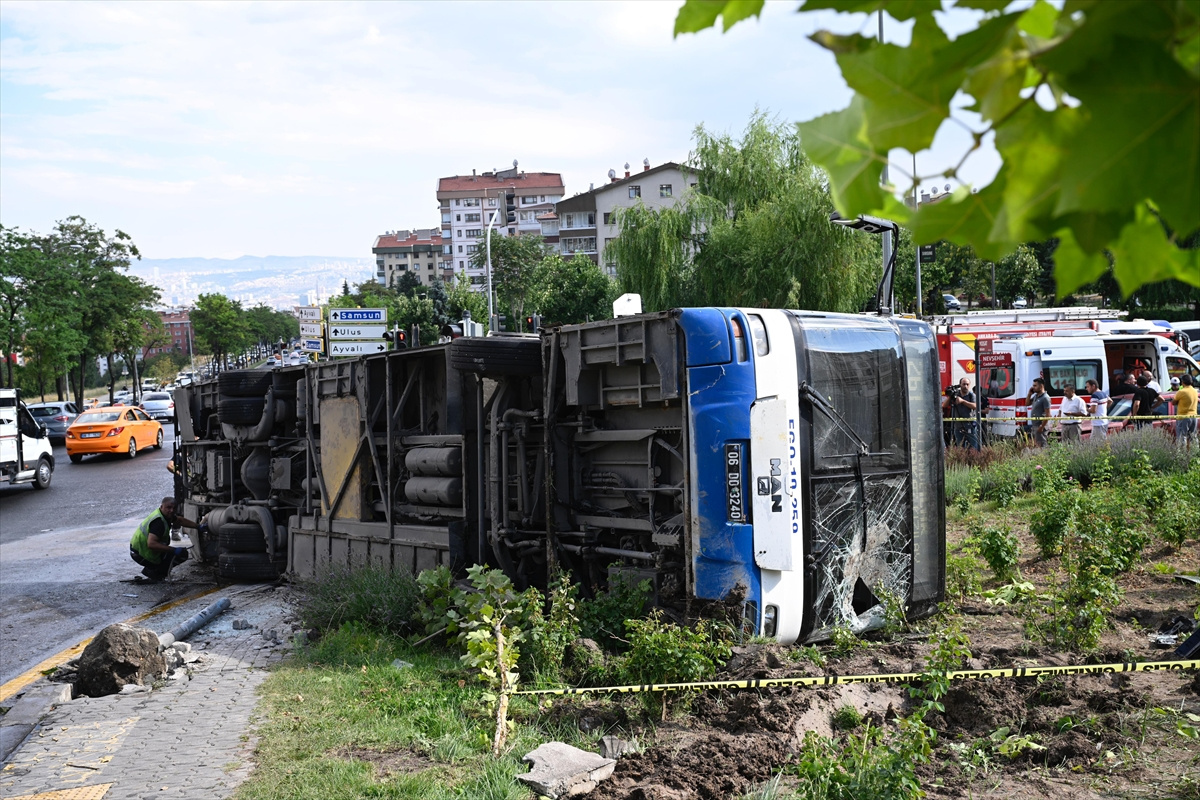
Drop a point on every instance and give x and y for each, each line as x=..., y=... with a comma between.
x=357, y=331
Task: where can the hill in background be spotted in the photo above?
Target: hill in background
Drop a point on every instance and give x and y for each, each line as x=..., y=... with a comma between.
x=278, y=281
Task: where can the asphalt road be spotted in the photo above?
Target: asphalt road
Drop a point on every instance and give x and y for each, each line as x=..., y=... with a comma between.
x=64, y=552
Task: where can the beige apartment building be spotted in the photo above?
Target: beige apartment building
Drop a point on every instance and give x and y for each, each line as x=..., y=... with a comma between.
x=423, y=252
x=468, y=202
x=584, y=222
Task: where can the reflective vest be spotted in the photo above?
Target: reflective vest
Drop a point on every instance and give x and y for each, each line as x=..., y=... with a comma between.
x=140, y=543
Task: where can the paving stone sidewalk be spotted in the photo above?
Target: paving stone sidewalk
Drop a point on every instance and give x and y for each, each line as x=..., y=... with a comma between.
x=189, y=740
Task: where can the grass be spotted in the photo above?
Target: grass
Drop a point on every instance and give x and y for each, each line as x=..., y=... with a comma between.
x=375, y=597
x=343, y=694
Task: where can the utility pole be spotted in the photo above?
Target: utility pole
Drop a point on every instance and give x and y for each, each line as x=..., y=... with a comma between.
x=491, y=224
x=887, y=240
x=916, y=248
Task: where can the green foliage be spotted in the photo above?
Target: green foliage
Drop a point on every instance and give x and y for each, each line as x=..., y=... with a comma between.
x=220, y=325
x=877, y=763
x=1004, y=480
x=844, y=640
x=603, y=618
x=516, y=261
x=895, y=619
x=438, y=606
x=1092, y=108
x=999, y=548
x=486, y=616
x=1175, y=519
x=962, y=486
x=663, y=652
x=963, y=574
x=846, y=718
x=754, y=231
x=552, y=629
x=372, y=596
x=571, y=291
x=1076, y=614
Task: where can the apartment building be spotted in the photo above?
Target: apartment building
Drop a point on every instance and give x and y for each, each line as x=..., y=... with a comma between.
x=179, y=338
x=585, y=221
x=468, y=202
x=423, y=252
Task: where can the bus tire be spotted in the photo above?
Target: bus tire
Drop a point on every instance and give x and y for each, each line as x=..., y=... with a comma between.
x=244, y=382
x=240, y=410
x=497, y=355
x=247, y=567
x=239, y=537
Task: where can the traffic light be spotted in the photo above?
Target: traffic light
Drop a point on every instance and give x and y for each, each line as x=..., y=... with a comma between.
x=397, y=341
x=533, y=321
x=510, y=207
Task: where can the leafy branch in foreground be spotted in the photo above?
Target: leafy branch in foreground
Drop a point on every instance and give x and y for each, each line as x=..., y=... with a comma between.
x=1094, y=108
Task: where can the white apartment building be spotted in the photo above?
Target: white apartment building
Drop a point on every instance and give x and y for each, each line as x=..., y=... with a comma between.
x=423, y=252
x=585, y=221
x=468, y=201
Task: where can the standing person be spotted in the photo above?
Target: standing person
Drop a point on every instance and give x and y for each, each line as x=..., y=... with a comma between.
x=962, y=411
x=1098, y=408
x=1073, y=411
x=1153, y=384
x=1185, y=407
x=1039, y=411
x=1145, y=400
x=150, y=545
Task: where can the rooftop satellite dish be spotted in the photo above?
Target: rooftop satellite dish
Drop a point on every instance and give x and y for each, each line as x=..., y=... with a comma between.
x=612, y=173
x=935, y=191
x=514, y=163
x=646, y=163
x=947, y=187
x=626, y=165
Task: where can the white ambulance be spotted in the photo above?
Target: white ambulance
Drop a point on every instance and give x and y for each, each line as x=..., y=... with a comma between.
x=25, y=452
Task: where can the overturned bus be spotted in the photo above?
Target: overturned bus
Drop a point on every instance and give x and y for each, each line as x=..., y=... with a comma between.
x=788, y=461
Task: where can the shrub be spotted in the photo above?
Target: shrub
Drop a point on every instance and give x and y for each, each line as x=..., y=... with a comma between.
x=1005, y=479
x=1076, y=615
x=846, y=718
x=551, y=629
x=962, y=486
x=374, y=597
x=998, y=546
x=963, y=570
x=877, y=763
x=603, y=619
x=663, y=652
x=1177, y=519
x=951, y=650
x=1053, y=517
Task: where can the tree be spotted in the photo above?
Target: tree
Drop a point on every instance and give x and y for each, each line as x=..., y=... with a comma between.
x=220, y=326
x=1018, y=275
x=571, y=291
x=1094, y=108
x=515, y=260
x=755, y=231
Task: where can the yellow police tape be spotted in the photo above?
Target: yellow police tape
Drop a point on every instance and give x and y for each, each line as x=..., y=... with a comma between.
x=1061, y=419
x=896, y=677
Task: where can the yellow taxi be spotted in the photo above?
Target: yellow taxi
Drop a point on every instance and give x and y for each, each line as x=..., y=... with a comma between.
x=112, y=429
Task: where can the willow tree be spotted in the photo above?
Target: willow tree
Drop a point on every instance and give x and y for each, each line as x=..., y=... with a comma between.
x=754, y=231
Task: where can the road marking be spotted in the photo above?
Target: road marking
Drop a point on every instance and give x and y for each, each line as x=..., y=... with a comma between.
x=82, y=793
x=33, y=673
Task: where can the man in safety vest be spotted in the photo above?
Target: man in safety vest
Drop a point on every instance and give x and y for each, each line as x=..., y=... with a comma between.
x=151, y=542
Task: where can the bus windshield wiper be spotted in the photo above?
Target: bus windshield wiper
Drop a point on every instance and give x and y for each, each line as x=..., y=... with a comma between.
x=823, y=405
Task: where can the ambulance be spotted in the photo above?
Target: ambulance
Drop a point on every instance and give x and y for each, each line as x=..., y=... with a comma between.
x=1008, y=365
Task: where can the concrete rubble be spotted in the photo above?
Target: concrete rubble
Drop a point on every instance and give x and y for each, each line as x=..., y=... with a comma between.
x=560, y=770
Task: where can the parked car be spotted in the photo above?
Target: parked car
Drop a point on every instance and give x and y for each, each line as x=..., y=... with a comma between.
x=952, y=303
x=1019, y=302
x=112, y=430
x=158, y=405
x=55, y=417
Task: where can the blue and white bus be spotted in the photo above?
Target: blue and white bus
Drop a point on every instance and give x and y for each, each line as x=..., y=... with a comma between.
x=786, y=461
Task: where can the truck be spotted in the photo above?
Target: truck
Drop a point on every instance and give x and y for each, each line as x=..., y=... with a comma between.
x=783, y=466
x=1073, y=357
x=26, y=455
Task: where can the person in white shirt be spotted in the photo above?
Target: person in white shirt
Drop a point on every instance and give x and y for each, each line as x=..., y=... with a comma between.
x=1153, y=384
x=1098, y=407
x=1072, y=411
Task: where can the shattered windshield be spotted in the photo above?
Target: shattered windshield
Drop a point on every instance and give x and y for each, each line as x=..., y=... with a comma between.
x=860, y=372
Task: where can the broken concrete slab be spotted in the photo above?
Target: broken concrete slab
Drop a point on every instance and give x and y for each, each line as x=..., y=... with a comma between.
x=559, y=770
x=614, y=747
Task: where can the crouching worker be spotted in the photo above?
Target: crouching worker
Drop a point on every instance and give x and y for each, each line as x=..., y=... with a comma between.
x=151, y=542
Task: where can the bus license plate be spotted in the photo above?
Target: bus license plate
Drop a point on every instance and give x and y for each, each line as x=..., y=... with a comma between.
x=735, y=495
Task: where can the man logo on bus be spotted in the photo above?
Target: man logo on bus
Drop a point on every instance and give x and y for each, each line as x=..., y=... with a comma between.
x=773, y=486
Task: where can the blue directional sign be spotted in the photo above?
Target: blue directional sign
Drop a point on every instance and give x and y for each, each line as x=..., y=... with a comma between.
x=358, y=315
x=311, y=345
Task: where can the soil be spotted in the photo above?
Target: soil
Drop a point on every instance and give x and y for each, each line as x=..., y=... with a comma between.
x=1068, y=737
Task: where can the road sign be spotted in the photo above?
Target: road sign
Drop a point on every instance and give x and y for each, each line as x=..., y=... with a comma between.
x=312, y=329
x=357, y=331
x=311, y=345
x=356, y=348
x=378, y=315
x=312, y=313
x=995, y=360
x=928, y=253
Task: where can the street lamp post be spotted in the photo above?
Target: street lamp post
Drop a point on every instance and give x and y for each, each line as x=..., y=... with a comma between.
x=885, y=294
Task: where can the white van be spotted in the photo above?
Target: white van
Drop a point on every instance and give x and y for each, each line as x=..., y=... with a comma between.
x=1007, y=374
x=25, y=452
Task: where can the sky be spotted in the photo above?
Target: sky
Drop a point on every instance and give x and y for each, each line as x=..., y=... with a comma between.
x=223, y=129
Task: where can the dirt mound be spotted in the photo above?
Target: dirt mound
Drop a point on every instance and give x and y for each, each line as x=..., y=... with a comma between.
x=716, y=766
